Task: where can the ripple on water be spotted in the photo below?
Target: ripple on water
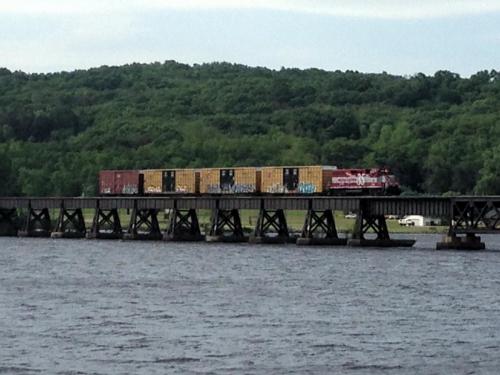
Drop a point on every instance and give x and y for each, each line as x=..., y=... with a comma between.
x=91, y=307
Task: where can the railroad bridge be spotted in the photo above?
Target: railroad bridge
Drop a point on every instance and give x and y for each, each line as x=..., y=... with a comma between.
x=467, y=217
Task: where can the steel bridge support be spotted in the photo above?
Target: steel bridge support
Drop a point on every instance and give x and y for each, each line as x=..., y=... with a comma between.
x=106, y=224
x=70, y=224
x=368, y=223
x=143, y=225
x=470, y=218
x=183, y=226
x=8, y=222
x=319, y=229
x=37, y=223
x=271, y=227
x=225, y=226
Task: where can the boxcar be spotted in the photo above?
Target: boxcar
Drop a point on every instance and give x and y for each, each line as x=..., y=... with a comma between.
x=166, y=181
x=114, y=182
x=237, y=180
x=297, y=180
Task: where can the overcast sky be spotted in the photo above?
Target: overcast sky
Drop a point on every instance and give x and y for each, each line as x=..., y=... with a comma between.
x=401, y=37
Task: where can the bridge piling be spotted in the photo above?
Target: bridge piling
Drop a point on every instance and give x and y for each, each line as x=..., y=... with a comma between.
x=366, y=222
x=70, y=224
x=8, y=222
x=319, y=229
x=143, y=225
x=271, y=227
x=470, y=217
x=106, y=224
x=225, y=226
x=468, y=242
x=183, y=226
x=37, y=223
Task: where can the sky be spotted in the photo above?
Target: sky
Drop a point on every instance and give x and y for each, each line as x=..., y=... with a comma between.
x=396, y=36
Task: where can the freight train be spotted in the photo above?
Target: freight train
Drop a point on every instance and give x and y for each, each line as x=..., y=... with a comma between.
x=288, y=180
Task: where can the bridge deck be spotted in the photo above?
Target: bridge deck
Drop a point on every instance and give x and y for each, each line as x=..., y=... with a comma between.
x=428, y=206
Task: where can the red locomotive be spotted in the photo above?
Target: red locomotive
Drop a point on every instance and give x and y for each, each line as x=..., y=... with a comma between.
x=375, y=181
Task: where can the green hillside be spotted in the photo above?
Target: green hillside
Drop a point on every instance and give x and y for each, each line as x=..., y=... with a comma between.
x=438, y=133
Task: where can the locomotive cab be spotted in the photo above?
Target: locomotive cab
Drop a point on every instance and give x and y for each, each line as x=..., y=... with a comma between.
x=374, y=181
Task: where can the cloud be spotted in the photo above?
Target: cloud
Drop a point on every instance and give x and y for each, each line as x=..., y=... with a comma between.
x=378, y=9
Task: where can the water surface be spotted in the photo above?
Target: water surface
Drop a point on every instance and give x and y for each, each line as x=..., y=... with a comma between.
x=96, y=307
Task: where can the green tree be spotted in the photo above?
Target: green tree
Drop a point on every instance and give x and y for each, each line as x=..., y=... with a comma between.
x=489, y=176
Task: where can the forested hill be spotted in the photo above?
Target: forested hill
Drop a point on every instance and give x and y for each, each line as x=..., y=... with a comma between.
x=439, y=133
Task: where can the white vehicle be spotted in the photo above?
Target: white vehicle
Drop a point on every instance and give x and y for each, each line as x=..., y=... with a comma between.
x=409, y=220
x=419, y=221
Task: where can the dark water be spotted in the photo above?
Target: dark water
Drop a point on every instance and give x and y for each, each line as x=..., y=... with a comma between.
x=91, y=307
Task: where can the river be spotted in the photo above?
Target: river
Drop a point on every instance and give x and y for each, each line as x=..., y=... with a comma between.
x=97, y=307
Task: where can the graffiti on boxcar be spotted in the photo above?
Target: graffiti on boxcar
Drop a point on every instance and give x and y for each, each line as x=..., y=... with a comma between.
x=243, y=188
x=213, y=189
x=153, y=189
x=276, y=189
x=302, y=188
x=306, y=188
x=130, y=189
x=231, y=189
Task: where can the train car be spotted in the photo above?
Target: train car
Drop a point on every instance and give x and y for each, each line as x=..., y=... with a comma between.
x=237, y=180
x=115, y=182
x=314, y=179
x=170, y=181
x=249, y=180
x=375, y=181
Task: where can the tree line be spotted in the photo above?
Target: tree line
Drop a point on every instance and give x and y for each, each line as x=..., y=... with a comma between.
x=438, y=133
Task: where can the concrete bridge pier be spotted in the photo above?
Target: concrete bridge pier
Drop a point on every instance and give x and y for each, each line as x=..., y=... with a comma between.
x=143, y=225
x=468, y=242
x=106, y=225
x=225, y=226
x=183, y=226
x=8, y=222
x=376, y=223
x=37, y=223
x=319, y=229
x=70, y=224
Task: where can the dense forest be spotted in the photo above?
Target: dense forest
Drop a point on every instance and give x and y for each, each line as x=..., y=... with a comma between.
x=440, y=134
